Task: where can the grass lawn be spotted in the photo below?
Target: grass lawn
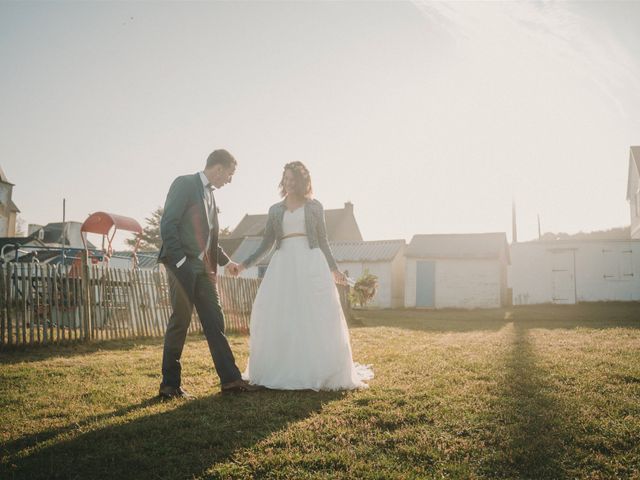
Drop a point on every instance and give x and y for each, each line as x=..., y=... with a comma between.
x=526, y=392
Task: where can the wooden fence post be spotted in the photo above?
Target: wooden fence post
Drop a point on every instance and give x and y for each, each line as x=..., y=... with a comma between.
x=86, y=280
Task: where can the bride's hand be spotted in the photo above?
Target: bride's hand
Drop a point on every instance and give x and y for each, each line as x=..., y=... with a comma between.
x=339, y=277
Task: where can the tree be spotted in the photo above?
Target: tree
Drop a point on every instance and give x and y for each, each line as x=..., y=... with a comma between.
x=364, y=289
x=150, y=237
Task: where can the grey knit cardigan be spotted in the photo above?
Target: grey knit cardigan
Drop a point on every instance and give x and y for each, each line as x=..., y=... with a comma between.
x=315, y=226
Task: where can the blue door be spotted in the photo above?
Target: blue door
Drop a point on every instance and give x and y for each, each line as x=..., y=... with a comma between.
x=425, y=284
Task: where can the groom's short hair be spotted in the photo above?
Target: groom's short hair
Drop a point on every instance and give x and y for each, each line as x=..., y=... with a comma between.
x=221, y=157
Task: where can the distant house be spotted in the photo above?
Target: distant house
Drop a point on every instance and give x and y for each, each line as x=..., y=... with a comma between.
x=457, y=271
x=571, y=271
x=19, y=248
x=58, y=234
x=633, y=190
x=383, y=258
x=8, y=210
x=341, y=226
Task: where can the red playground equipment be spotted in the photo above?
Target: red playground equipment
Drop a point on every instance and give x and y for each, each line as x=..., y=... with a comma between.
x=107, y=224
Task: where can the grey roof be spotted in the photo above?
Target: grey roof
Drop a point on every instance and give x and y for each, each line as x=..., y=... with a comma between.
x=249, y=226
x=13, y=207
x=369, y=251
x=461, y=246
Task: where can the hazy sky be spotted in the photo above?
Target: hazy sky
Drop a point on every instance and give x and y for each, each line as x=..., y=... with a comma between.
x=429, y=117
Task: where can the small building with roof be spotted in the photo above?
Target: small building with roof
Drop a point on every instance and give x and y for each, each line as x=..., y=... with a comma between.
x=382, y=258
x=59, y=234
x=457, y=271
x=575, y=270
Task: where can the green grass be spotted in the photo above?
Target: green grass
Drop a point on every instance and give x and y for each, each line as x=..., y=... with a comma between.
x=527, y=392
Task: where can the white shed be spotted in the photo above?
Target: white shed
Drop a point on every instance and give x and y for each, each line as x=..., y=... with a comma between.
x=384, y=259
x=570, y=271
x=457, y=271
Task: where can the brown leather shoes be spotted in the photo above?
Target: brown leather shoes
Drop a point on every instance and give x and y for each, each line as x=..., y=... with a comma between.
x=239, y=386
x=169, y=393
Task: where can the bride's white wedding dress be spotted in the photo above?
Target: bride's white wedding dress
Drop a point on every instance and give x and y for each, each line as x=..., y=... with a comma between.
x=298, y=333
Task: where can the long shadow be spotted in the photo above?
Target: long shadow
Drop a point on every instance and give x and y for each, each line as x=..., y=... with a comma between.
x=11, y=355
x=600, y=315
x=532, y=428
x=28, y=441
x=180, y=443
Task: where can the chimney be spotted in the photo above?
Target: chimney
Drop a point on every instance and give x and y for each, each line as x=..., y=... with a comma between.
x=348, y=206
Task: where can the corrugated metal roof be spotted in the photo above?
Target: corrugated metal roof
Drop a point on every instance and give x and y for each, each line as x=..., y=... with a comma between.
x=250, y=225
x=369, y=251
x=471, y=245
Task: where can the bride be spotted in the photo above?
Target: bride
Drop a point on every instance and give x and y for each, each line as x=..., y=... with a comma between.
x=299, y=337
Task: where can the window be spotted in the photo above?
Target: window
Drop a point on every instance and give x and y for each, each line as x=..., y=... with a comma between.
x=618, y=264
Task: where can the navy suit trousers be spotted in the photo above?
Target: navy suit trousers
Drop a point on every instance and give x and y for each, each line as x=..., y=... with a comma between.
x=192, y=285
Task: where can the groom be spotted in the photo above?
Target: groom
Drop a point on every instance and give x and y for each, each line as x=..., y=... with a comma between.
x=191, y=255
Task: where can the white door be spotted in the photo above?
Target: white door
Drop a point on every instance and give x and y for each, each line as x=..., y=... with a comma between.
x=563, y=285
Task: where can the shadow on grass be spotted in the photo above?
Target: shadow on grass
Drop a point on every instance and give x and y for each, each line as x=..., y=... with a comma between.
x=532, y=429
x=29, y=441
x=37, y=353
x=179, y=443
x=600, y=315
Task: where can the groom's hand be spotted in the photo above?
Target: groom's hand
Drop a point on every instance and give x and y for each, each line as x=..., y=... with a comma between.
x=232, y=269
